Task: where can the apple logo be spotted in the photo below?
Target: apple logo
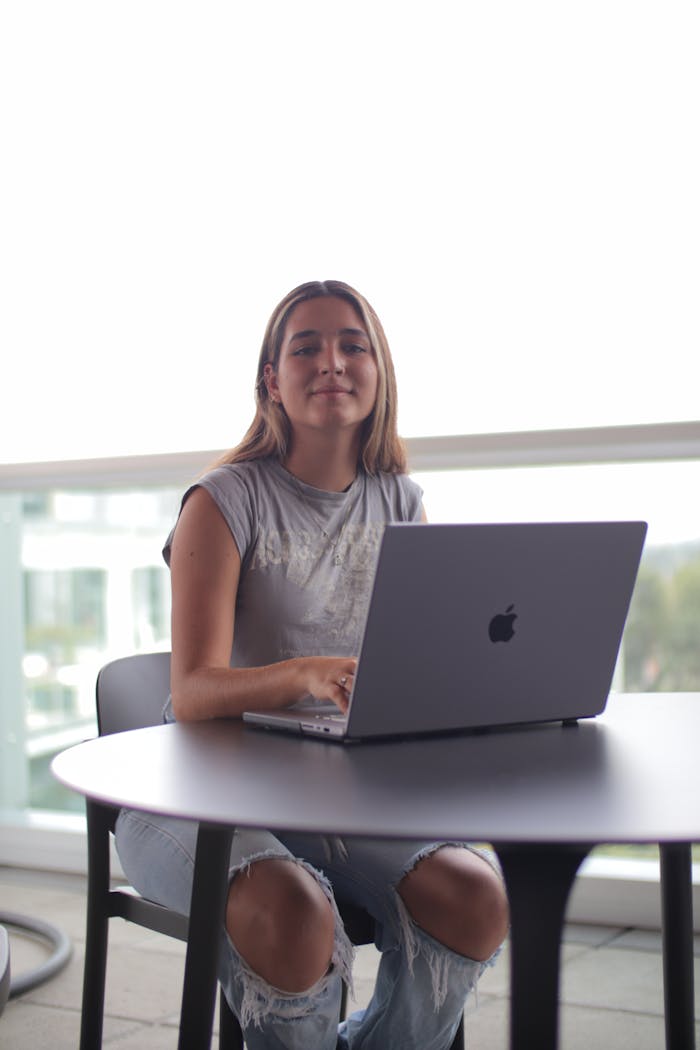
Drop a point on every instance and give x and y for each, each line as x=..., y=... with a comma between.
x=501, y=627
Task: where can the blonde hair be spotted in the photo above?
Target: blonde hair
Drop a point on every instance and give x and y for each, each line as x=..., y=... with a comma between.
x=381, y=448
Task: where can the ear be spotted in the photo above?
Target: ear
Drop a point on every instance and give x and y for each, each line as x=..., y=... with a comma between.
x=270, y=378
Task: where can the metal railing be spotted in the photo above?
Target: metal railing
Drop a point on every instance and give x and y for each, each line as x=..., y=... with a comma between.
x=646, y=442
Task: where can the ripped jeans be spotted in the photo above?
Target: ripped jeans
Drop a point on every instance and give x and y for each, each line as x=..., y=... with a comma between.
x=421, y=985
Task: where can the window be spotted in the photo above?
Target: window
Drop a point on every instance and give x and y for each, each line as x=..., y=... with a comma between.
x=93, y=587
x=513, y=186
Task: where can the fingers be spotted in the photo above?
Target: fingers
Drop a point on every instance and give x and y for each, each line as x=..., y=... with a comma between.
x=344, y=678
x=345, y=684
x=330, y=678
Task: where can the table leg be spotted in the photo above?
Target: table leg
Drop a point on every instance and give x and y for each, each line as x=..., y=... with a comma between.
x=209, y=891
x=538, y=880
x=677, y=926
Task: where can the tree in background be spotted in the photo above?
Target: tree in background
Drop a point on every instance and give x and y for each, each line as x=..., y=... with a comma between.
x=683, y=643
x=661, y=645
x=644, y=644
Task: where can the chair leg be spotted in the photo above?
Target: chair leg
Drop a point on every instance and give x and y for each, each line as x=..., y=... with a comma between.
x=97, y=925
x=230, y=1034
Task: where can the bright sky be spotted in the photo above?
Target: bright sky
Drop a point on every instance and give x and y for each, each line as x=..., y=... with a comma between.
x=514, y=187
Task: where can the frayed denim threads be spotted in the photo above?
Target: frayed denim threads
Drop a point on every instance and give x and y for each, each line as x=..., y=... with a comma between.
x=253, y=998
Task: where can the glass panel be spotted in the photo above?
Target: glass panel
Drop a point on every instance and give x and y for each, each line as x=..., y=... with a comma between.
x=84, y=582
x=92, y=586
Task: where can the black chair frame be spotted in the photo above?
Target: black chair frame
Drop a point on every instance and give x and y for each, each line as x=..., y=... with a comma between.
x=130, y=695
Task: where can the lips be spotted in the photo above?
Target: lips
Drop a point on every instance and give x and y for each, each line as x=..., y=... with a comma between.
x=331, y=390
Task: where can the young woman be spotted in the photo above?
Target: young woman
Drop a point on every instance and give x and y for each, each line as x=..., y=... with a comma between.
x=271, y=562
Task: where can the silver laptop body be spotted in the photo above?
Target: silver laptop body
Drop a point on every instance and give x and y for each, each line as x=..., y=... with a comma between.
x=475, y=626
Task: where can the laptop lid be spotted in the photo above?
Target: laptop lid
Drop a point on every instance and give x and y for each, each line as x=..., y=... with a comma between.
x=484, y=625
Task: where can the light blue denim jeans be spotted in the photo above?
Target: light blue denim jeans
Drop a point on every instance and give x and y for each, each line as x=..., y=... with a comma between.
x=421, y=986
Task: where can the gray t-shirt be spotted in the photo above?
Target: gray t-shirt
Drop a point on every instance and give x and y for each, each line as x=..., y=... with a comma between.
x=307, y=556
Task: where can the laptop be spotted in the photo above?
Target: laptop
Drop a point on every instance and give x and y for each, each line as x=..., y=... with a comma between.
x=477, y=626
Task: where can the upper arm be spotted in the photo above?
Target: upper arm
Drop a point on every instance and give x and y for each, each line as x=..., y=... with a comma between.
x=205, y=570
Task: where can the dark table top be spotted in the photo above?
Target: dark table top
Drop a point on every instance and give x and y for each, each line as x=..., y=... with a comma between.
x=630, y=775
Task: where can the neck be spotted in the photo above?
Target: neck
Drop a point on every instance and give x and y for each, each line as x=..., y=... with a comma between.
x=329, y=465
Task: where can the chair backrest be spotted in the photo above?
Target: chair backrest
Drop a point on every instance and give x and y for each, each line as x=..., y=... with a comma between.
x=132, y=692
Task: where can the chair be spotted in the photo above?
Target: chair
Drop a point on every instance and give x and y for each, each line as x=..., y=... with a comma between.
x=130, y=695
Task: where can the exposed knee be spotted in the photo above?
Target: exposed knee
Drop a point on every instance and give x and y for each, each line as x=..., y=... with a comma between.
x=457, y=898
x=281, y=923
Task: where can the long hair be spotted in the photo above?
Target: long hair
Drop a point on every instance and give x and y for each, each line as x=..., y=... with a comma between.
x=269, y=435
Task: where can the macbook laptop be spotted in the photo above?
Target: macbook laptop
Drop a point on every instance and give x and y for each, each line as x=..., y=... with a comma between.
x=476, y=626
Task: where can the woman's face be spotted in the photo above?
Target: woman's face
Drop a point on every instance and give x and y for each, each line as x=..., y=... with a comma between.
x=326, y=376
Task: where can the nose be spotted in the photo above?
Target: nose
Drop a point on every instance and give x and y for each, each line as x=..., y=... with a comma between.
x=331, y=360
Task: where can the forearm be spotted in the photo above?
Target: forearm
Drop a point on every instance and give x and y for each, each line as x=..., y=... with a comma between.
x=226, y=692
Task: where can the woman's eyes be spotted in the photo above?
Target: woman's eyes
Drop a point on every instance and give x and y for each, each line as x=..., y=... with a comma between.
x=347, y=348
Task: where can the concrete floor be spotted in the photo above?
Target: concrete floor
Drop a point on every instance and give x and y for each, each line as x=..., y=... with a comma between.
x=612, y=993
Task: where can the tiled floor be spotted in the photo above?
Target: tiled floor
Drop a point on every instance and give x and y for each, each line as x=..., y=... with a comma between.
x=611, y=988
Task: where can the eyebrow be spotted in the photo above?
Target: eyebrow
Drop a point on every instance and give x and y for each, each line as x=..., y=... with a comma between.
x=309, y=332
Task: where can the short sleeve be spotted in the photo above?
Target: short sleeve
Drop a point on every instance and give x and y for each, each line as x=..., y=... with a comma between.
x=229, y=488
x=411, y=498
